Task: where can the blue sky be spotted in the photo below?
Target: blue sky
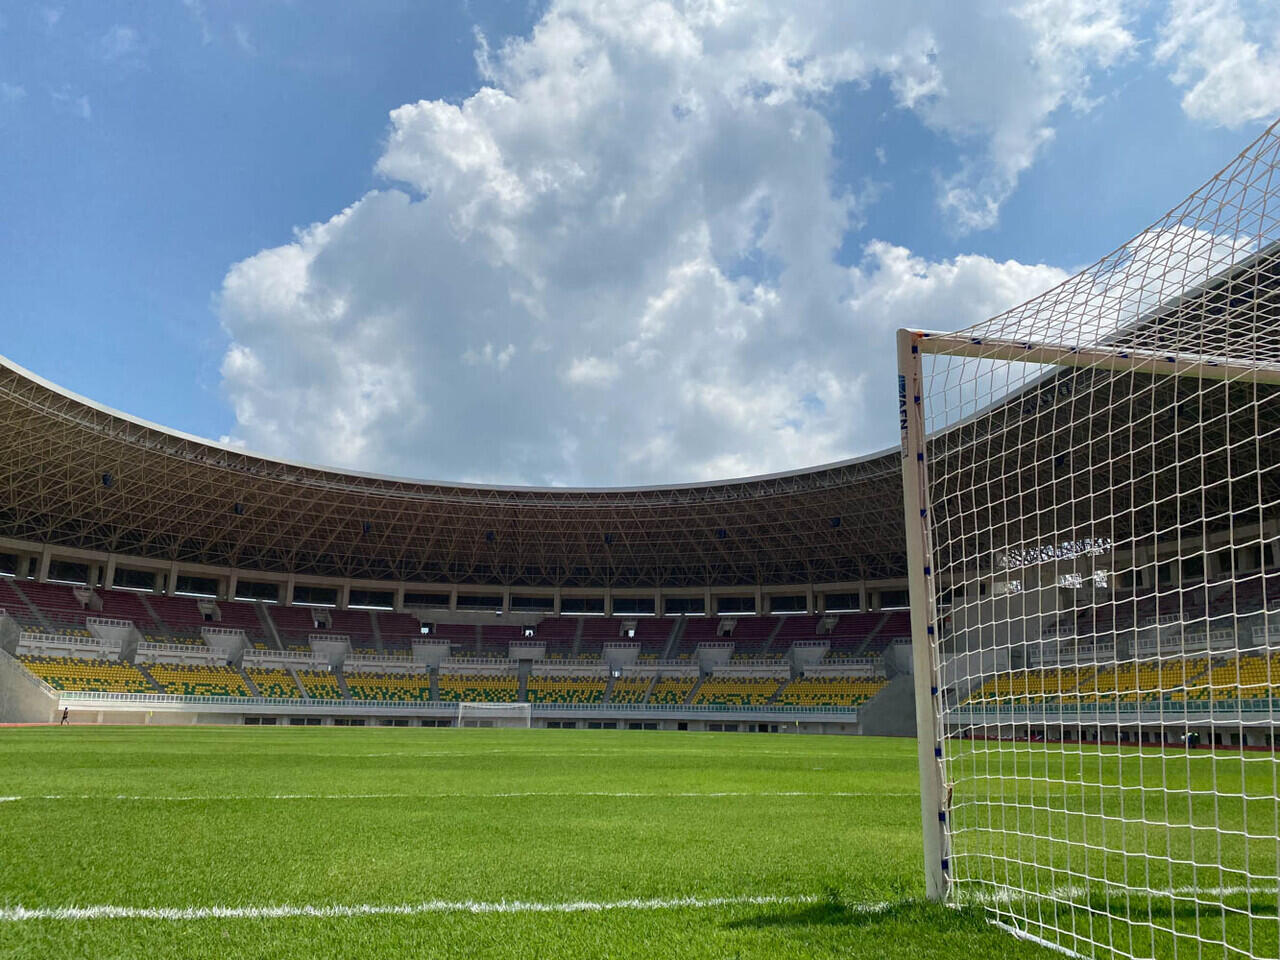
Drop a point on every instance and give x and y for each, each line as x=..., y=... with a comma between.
x=558, y=282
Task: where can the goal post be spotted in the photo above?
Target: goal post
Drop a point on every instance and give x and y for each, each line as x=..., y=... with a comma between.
x=495, y=714
x=1091, y=496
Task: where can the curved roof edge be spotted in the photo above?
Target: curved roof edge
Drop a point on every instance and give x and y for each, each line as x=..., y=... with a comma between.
x=415, y=481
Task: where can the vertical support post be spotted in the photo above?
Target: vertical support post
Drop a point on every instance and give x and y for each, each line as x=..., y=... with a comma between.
x=923, y=635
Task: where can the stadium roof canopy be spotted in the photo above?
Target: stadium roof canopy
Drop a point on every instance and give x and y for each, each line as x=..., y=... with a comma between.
x=1202, y=283
x=79, y=475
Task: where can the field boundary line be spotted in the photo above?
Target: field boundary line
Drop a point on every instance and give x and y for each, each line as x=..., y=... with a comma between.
x=505, y=795
x=17, y=914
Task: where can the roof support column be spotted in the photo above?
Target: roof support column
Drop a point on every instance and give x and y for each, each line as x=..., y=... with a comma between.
x=109, y=573
x=707, y=609
x=810, y=607
x=172, y=588
x=397, y=599
x=555, y=602
x=287, y=599
x=232, y=581
x=42, y=571
x=344, y=595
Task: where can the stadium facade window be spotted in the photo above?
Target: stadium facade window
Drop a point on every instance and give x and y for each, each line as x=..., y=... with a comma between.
x=532, y=603
x=309, y=596
x=788, y=603
x=256, y=590
x=135, y=579
x=193, y=586
x=683, y=606
x=582, y=605
x=371, y=599
x=841, y=602
x=623, y=606
x=730, y=605
x=479, y=601
x=64, y=571
x=894, y=600
x=426, y=599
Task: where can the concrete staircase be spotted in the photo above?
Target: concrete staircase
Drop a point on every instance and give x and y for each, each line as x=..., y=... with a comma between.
x=31, y=607
x=648, y=691
x=142, y=669
x=294, y=673
x=768, y=644
x=268, y=625
x=694, y=692
x=377, y=632
x=342, y=685
x=777, y=694
x=673, y=641
x=884, y=618
x=248, y=682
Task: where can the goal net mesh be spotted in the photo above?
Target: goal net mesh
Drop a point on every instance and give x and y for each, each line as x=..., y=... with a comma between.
x=495, y=715
x=1101, y=537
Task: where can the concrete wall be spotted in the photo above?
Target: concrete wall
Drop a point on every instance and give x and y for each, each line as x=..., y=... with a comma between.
x=23, y=698
x=892, y=711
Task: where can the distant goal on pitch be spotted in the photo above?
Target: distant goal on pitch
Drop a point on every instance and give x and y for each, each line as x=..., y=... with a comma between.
x=495, y=715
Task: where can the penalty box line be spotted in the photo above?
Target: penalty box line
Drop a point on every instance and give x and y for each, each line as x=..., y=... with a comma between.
x=511, y=795
x=16, y=914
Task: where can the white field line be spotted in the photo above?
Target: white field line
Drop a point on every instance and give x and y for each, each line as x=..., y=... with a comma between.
x=15, y=914
x=514, y=795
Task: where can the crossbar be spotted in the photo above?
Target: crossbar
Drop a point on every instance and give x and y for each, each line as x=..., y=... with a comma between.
x=1101, y=358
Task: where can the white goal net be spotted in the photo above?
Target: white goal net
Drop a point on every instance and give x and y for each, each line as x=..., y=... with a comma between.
x=1092, y=486
x=495, y=715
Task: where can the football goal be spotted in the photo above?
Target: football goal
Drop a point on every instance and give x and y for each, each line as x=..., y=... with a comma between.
x=1092, y=501
x=495, y=715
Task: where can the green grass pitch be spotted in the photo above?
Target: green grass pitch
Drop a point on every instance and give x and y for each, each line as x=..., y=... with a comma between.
x=671, y=831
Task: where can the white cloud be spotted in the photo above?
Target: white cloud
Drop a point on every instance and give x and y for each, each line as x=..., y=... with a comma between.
x=122, y=45
x=565, y=283
x=195, y=9
x=1226, y=54
x=12, y=92
x=50, y=16
x=244, y=40
x=73, y=103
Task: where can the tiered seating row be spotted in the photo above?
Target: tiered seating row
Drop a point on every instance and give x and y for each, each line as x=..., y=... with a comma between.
x=97, y=676
x=504, y=688
x=831, y=691
x=277, y=684
x=399, y=687
x=722, y=691
x=565, y=689
x=199, y=681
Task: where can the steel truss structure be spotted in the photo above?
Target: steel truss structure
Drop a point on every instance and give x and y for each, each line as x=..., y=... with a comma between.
x=78, y=475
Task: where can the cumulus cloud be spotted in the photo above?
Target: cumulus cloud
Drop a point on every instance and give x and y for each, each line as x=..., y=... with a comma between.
x=76, y=104
x=616, y=262
x=11, y=92
x=121, y=45
x=1226, y=54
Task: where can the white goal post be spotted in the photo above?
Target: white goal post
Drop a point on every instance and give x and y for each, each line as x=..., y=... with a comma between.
x=495, y=714
x=1091, y=488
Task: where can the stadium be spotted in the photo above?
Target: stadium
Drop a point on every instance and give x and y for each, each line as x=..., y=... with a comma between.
x=1057, y=596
